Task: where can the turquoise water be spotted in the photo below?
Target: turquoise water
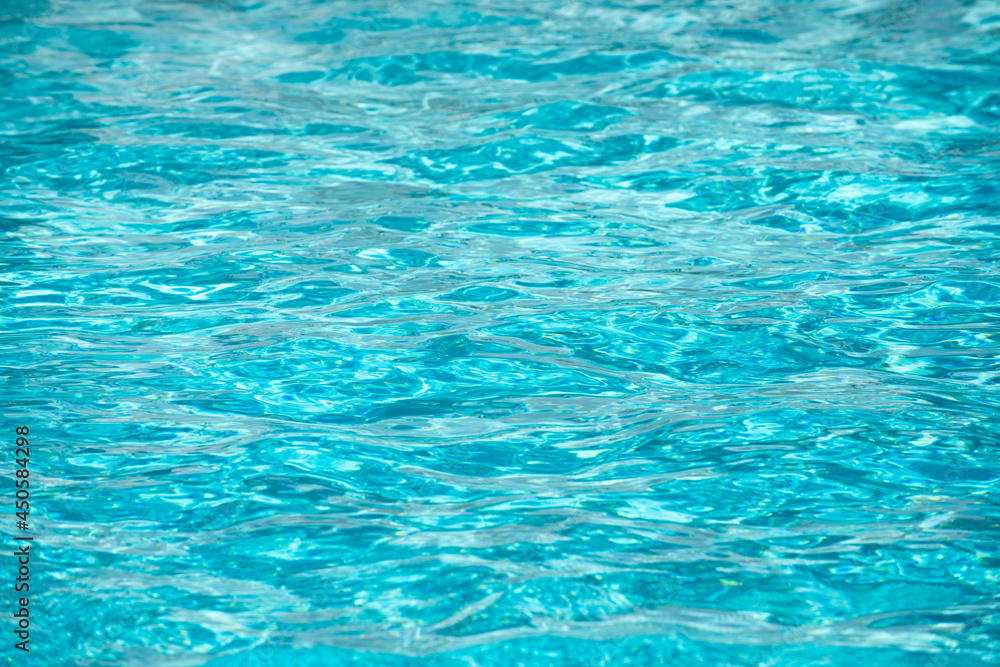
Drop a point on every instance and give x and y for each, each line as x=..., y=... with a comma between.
x=453, y=334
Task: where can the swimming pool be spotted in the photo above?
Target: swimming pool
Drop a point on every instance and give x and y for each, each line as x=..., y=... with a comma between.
x=455, y=334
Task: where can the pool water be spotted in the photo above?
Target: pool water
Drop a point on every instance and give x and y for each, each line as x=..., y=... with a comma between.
x=460, y=334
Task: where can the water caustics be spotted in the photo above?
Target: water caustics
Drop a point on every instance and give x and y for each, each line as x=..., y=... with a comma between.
x=466, y=333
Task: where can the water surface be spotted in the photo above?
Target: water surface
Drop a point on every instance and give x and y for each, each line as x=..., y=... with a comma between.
x=454, y=333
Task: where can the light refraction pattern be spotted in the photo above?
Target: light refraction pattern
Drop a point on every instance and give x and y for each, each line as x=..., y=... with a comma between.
x=456, y=334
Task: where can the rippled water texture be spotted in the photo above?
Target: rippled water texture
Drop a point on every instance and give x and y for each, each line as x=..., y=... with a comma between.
x=460, y=334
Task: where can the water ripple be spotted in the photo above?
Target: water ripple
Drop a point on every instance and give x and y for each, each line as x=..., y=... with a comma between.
x=453, y=334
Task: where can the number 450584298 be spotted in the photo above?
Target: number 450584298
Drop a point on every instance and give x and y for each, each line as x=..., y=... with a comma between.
x=23, y=453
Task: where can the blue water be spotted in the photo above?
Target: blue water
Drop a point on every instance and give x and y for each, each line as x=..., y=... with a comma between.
x=459, y=334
